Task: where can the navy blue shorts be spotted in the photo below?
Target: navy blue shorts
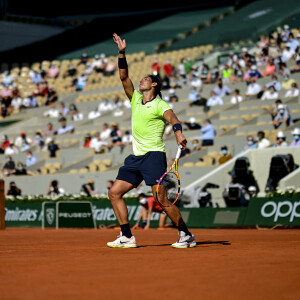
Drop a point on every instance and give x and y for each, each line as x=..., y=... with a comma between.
x=149, y=167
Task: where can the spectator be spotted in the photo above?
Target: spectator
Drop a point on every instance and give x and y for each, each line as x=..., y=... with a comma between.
x=6, y=93
x=72, y=109
x=181, y=71
x=254, y=89
x=196, y=81
x=188, y=64
x=283, y=69
x=89, y=188
x=63, y=110
x=250, y=143
x=238, y=73
x=227, y=73
x=7, y=79
x=296, y=135
x=270, y=93
x=116, y=135
x=94, y=113
x=16, y=103
x=109, y=184
x=156, y=67
x=11, y=149
x=105, y=134
x=51, y=96
x=38, y=140
x=110, y=68
x=53, y=148
x=280, y=140
x=95, y=66
x=21, y=170
x=23, y=142
x=225, y=155
x=30, y=159
x=282, y=117
x=208, y=133
x=102, y=65
x=214, y=99
x=71, y=72
x=77, y=116
x=50, y=131
x=81, y=83
x=270, y=67
x=127, y=138
x=287, y=82
x=87, y=141
x=236, y=98
x=84, y=58
x=262, y=141
x=222, y=90
x=9, y=166
x=287, y=53
x=64, y=128
x=192, y=124
x=293, y=92
x=105, y=105
x=52, y=112
x=195, y=98
x=36, y=77
x=54, y=190
x=5, y=143
x=53, y=71
x=275, y=83
x=13, y=190
x=97, y=143
x=196, y=145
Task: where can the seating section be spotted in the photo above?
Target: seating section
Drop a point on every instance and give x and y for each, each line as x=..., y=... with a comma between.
x=75, y=162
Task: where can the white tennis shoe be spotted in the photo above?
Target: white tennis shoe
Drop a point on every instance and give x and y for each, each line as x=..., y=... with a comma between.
x=185, y=241
x=123, y=242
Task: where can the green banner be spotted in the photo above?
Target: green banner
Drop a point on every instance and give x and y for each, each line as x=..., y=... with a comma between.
x=273, y=211
x=74, y=214
x=261, y=211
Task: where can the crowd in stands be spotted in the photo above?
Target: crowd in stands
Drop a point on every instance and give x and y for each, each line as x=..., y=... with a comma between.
x=277, y=60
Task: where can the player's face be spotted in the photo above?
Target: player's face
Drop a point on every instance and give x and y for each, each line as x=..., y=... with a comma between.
x=145, y=84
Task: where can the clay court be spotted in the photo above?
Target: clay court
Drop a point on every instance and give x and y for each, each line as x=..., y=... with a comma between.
x=76, y=264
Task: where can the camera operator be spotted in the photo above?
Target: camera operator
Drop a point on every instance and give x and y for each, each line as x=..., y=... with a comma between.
x=237, y=192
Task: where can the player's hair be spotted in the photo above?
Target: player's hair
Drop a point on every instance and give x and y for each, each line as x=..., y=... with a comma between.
x=158, y=86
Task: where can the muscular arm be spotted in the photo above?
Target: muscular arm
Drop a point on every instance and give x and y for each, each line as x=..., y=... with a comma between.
x=172, y=119
x=123, y=72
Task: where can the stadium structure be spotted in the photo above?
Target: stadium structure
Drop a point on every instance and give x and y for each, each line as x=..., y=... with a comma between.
x=202, y=34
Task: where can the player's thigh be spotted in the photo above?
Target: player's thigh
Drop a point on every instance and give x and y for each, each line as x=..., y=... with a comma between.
x=120, y=188
x=153, y=167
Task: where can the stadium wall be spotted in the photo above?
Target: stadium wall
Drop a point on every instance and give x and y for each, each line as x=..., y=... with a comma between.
x=269, y=212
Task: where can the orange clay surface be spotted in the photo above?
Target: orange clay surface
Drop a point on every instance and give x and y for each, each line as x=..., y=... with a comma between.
x=76, y=264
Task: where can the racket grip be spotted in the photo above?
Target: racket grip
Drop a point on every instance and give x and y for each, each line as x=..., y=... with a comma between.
x=178, y=152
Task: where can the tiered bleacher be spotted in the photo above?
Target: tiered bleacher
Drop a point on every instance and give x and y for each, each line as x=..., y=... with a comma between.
x=75, y=161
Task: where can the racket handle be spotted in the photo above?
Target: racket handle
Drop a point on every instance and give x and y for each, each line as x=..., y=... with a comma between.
x=178, y=152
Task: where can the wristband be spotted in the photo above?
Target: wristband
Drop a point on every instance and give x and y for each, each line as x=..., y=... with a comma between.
x=177, y=127
x=122, y=63
x=122, y=51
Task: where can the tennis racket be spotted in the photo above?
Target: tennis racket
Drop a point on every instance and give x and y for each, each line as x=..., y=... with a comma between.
x=168, y=186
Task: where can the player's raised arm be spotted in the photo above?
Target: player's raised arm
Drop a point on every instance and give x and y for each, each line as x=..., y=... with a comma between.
x=123, y=67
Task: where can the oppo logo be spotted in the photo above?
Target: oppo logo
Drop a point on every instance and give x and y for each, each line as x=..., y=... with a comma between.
x=280, y=210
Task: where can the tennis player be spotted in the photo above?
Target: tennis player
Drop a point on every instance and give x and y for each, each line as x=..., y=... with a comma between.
x=148, y=161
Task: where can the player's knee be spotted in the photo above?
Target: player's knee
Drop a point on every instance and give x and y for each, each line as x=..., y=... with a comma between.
x=113, y=194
